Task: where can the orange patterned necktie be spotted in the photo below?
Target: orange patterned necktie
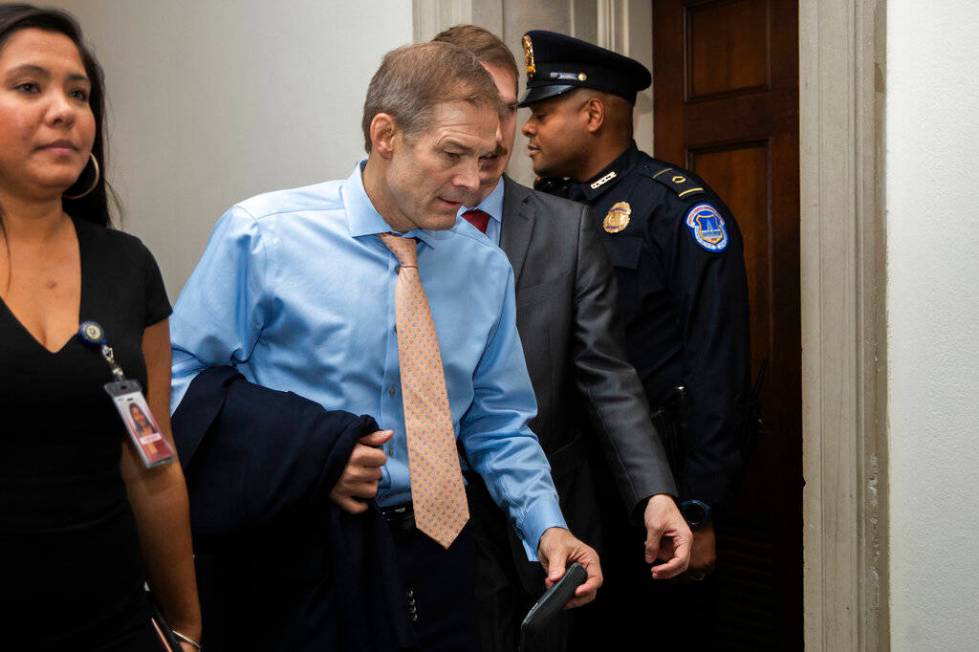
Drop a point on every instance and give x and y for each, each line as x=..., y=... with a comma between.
x=437, y=491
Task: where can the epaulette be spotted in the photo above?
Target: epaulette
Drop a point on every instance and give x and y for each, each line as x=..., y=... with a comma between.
x=675, y=180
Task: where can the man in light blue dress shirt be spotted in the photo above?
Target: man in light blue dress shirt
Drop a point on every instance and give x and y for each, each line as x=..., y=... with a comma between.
x=296, y=291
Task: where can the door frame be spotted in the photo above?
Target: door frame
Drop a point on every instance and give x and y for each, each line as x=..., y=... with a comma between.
x=842, y=57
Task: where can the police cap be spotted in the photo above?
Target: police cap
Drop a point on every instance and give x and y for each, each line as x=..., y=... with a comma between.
x=557, y=64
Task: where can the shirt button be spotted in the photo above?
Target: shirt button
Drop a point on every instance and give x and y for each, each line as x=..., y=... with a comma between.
x=391, y=391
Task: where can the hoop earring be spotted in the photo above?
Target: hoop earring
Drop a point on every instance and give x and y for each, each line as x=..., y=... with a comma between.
x=95, y=181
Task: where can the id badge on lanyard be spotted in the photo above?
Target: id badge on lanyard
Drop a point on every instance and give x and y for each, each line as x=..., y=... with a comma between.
x=145, y=434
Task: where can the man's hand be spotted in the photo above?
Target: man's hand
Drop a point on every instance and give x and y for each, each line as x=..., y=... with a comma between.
x=358, y=483
x=668, y=537
x=558, y=549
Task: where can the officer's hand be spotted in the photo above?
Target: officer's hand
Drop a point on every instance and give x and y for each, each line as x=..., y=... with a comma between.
x=704, y=553
x=668, y=537
x=358, y=483
x=557, y=550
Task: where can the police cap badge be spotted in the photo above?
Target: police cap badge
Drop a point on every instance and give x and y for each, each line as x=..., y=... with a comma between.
x=528, y=55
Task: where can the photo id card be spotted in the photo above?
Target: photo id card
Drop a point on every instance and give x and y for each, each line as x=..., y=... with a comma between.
x=153, y=448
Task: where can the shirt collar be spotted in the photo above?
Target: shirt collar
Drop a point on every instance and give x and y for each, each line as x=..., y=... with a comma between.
x=608, y=177
x=363, y=219
x=492, y=205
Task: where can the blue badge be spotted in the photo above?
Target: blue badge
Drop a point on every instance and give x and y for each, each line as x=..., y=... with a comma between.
x=707, y=227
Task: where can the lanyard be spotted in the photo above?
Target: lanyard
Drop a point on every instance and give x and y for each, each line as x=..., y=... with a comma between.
x=127, y=394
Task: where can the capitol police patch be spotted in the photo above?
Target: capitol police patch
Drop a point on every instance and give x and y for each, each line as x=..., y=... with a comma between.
x=707, y=227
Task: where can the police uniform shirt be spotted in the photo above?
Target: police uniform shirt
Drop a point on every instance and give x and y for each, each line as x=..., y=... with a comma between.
x=683, y=298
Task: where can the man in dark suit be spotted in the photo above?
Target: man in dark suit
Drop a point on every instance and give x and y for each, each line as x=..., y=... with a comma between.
x=590, y=401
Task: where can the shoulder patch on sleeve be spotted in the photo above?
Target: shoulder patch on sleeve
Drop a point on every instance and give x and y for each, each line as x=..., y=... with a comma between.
x=707, y=227
x=677, y=181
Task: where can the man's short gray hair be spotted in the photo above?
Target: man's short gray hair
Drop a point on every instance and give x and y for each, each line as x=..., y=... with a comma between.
x=414, y=79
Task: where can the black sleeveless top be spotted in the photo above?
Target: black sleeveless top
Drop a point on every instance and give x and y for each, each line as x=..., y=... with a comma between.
x=70, y=565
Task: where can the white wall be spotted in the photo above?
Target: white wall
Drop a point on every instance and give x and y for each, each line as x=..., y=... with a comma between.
x=213, y=101
x=933, y=309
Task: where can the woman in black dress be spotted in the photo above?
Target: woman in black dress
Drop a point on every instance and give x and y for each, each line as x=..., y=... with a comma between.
x=82, y=523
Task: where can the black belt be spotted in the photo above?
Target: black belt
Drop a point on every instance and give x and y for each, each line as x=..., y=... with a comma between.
x=401, y=518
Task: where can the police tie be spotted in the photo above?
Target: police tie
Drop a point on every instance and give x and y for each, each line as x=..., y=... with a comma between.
x=477, y=218
x=437, y=491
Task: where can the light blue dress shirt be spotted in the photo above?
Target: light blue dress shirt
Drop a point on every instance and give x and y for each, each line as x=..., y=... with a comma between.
x=492, y=206
x=296, y=291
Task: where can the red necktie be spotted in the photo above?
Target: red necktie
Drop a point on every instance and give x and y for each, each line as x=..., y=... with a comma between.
x=477, y=218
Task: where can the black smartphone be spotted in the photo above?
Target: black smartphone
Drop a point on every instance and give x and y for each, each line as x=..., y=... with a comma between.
x=553, y=600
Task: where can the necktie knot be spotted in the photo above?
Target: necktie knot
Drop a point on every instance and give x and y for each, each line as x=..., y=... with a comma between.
x=404, y=249
x=479, y=219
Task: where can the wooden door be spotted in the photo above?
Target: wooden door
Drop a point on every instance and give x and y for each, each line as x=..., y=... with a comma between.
x=726, y=88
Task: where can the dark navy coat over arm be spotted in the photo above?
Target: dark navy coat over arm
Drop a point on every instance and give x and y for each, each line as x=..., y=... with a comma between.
x=280, y=566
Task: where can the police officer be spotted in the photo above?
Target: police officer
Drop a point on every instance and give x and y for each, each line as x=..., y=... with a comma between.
x=678, y=258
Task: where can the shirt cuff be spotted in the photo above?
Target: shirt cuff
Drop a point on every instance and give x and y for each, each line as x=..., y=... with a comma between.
x=544, y=514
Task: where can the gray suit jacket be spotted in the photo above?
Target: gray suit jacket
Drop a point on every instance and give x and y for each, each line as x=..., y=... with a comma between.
x=565, y=293
x=565, y=290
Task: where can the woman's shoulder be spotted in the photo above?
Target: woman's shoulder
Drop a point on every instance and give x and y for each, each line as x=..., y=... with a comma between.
x=119, y=260
x=111, y=241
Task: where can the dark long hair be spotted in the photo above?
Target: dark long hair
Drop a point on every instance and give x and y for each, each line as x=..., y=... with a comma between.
x=93, y=207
